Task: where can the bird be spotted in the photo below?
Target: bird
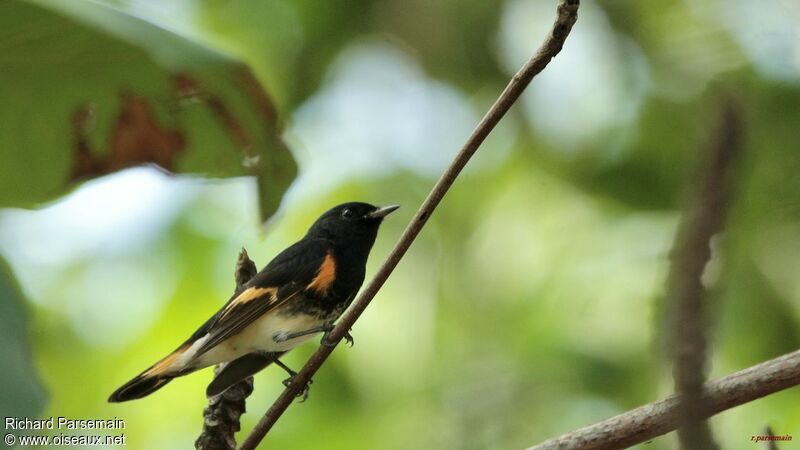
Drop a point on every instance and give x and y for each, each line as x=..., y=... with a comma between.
x=298, y=294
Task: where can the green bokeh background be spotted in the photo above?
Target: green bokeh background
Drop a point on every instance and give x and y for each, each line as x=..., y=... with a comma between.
x=530, y=304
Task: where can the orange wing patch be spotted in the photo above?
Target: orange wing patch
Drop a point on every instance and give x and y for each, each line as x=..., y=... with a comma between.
x=326, y=275
x=249, y=295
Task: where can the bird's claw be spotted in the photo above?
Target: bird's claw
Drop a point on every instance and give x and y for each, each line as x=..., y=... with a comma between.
x=304, y=392
x=347, y=338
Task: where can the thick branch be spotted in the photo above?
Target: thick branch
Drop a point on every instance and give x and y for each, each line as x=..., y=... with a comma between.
x=652, y=420
x=567, y=14
x=221, y=416
x=686, y=297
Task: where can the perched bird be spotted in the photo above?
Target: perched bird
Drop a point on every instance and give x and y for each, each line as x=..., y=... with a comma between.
x=298, y=294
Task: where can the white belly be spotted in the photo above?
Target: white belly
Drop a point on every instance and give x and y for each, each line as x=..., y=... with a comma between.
x=256, y=337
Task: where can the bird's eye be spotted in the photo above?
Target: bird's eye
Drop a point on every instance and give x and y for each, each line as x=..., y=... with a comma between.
x=347, y=214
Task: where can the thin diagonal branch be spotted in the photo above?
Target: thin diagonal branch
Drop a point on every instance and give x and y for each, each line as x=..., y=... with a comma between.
x=567, y=15
x=654, y=419
x=221, y=416
x=687, y=316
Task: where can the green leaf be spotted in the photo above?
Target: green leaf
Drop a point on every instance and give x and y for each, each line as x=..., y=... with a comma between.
x=22, y=394
x=89, y=90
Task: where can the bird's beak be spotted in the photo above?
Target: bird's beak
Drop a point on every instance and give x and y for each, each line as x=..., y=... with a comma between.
x=382, y=212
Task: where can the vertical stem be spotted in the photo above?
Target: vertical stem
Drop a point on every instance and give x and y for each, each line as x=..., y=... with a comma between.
x=686, y=298
x=221, y=416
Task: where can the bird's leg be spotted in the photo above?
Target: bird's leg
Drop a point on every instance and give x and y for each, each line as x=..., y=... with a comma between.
x=282, y=336
x=288, y=382
x=285, y=367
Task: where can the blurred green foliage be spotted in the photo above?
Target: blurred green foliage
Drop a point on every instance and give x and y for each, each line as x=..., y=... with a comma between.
x=23, y=395
x=89, y=90
x=529, y=306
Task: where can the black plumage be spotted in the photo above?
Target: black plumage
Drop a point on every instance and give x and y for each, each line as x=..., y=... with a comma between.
x=299, y=293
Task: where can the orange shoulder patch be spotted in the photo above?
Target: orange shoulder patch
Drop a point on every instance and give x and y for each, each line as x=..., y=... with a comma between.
x=325, y=276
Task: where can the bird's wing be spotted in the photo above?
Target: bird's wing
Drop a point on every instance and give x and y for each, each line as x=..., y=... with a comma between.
x=292, y=271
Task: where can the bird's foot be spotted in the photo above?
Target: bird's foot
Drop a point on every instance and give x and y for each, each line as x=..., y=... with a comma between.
x=292, y=375
x=347, y=338
x=306, y=388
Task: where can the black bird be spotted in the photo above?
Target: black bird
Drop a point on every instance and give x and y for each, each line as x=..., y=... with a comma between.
x=298, y=294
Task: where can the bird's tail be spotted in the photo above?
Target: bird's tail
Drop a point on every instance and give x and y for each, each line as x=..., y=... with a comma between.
x=141, y=386
x=151, y=380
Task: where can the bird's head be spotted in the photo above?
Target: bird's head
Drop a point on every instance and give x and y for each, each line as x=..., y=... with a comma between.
x=350, y=222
